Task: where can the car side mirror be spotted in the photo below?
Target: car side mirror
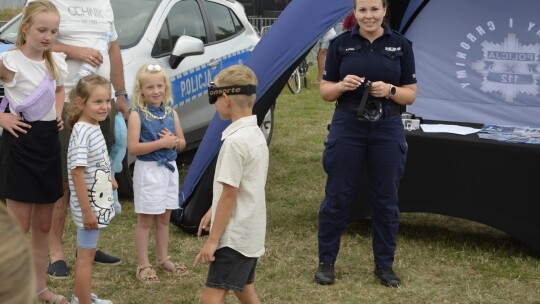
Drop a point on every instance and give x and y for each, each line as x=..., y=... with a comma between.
x=185, y=46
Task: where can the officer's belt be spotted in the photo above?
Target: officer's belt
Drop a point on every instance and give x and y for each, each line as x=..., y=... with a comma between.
x=393, y=108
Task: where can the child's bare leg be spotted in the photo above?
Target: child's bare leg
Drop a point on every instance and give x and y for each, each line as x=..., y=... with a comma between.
x=248, y=296
x=213, y=296
x=162, y=238
x=142, y=232
x=83, y=274
x=57, y=225
x=40, y=227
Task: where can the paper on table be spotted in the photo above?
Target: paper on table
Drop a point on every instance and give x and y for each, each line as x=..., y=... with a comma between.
x=440, y=128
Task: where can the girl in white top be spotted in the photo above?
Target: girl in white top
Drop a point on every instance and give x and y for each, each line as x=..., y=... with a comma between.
x=33, y=78
x=90, y=177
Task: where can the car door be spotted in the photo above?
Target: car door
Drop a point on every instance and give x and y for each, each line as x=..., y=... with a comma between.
x=189, y=80
x=226, y=42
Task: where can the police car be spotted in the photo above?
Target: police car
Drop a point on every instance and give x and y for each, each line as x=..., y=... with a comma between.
x=193, y=39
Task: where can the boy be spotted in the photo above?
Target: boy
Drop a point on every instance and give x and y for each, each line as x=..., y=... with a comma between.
x=237, y=219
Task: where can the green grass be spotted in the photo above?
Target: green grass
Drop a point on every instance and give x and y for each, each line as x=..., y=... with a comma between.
x=440, y=259
x=7, y=13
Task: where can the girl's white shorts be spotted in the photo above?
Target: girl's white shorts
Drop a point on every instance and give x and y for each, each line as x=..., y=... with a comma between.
x=155, y=188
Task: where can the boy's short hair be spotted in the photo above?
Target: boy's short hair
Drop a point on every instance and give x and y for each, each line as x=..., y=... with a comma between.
x=238, y=75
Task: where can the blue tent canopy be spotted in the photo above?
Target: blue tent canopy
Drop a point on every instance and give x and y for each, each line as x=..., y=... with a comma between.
x=293, y=34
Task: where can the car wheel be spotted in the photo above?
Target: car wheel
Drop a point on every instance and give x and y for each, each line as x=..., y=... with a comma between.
x=125, y=180
x=267, y=125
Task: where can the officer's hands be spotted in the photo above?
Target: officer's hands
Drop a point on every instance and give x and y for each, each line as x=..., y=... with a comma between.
x=380, y=89
x=351, y=83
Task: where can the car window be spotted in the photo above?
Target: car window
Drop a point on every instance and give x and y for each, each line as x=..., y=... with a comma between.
x=9, y=34
x=163, y=42
x=131, y=19
x=226, y=23
x=185, y=18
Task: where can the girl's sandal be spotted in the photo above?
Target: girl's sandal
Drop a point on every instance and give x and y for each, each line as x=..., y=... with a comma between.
x=179, y=270
x=147, y=275
x=56, y=299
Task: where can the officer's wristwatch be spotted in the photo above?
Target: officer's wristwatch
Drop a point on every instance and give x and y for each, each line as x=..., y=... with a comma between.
x=392, y=90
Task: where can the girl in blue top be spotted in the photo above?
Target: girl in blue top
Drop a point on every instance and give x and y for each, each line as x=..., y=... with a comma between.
x=155, y=137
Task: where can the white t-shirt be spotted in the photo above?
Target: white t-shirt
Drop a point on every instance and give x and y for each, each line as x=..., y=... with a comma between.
x=87, y=149
x=243, y=164
x=329, y=35
x=28, y=76
x=84, y=23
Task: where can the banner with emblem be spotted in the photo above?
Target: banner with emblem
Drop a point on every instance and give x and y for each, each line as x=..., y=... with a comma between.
x=478, y=61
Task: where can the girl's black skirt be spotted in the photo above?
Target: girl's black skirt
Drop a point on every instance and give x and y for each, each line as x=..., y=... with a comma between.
x=31, y=170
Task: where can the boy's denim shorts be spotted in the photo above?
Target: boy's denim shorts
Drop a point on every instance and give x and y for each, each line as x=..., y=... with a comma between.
x=231, y=270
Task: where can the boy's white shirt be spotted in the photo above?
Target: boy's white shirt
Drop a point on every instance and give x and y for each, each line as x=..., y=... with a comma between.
x=243, y=164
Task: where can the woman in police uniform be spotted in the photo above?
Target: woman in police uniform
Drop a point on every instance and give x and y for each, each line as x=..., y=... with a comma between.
x=369, y=57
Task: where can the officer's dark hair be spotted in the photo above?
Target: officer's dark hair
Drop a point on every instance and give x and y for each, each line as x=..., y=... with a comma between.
x=384, y=4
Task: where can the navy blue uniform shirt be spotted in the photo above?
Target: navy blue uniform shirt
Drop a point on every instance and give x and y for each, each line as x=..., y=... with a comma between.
x=389, y=58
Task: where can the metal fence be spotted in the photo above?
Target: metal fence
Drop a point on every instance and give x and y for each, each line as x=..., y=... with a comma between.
x=2, y=23
x=261, y=22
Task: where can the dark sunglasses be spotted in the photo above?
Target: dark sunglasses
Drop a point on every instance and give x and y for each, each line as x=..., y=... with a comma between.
x=214, y=91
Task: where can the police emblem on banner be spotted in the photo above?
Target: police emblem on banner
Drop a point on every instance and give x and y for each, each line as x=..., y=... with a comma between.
x=502, y=59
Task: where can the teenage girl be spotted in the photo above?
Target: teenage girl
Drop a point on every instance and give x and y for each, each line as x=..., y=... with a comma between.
x=89, y=174
x=155, y=137
x=33, y=77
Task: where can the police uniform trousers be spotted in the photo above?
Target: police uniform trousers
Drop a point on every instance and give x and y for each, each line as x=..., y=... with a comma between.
x=352, y=145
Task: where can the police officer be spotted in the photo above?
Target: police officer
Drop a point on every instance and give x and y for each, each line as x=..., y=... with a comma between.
x=370, y=52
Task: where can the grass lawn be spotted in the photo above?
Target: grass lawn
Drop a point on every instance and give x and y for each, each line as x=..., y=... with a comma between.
x=440, y=259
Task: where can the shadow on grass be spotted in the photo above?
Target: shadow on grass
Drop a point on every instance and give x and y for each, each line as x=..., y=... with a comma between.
x=449, y=232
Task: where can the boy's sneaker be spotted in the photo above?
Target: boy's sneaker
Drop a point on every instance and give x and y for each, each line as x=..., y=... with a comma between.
x=103, y=258
x=387, y=276
x=95, y=300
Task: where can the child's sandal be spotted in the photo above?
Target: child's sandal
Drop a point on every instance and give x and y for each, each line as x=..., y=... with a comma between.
x=178, y=269
x=147, y=275
x=55, y=299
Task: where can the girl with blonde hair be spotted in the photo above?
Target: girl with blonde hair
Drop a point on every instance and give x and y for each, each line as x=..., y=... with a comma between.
x=155, y=137
x=33, y=78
